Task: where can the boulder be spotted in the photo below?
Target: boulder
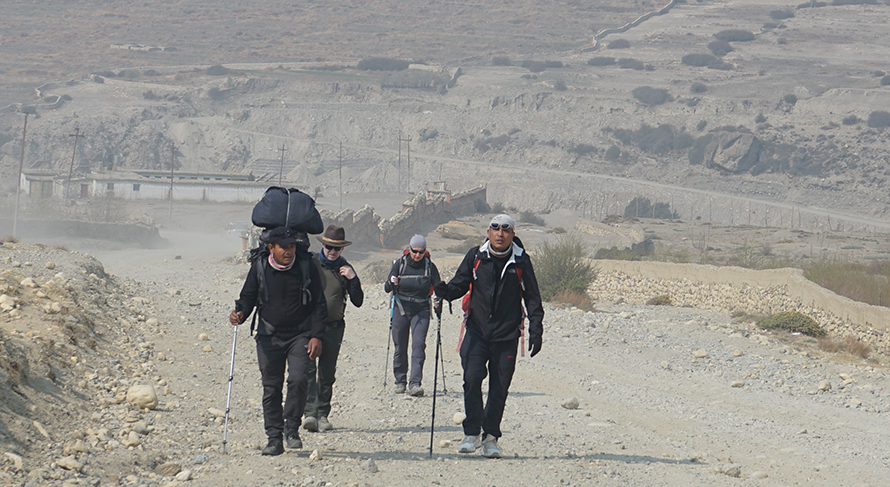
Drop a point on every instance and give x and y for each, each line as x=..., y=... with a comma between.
x=142, y=396
x=732, y=152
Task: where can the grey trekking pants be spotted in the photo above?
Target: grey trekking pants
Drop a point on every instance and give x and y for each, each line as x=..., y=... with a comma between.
x=416, y=325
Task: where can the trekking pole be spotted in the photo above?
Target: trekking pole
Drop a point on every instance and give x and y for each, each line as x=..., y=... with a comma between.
x=440, y=352
x=436, y=376
x=392, y=305
x=229, y=395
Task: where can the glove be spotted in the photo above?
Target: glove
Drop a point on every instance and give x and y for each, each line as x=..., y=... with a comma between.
x=441, y=289
x=534, y=345
x=437, y=307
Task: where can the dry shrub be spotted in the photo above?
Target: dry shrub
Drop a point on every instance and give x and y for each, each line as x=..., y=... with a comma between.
x=850, y=345
x=10, y=239
x=660, y=300
x=576, y=299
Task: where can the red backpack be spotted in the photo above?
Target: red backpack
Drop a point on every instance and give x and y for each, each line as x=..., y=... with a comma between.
x=465, y=306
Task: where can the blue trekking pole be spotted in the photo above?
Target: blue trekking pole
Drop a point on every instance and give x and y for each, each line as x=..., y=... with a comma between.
x=392, y=305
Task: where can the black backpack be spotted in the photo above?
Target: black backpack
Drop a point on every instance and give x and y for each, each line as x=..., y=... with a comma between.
x=282, y=207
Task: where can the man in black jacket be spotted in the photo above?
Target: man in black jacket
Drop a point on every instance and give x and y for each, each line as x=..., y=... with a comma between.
x=291, y=313
x=501, y=275
x=339, y=280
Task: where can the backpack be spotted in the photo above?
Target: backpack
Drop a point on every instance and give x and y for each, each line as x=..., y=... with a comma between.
x=404, y=262
x=282, y=207
x=259, y=257
x=465, y=307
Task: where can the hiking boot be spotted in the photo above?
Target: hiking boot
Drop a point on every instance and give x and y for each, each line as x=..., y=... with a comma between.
x=470, y=444
x=274, y=447
x=400, y=388
x=293, y=440
x=310, y=424
x=490, y=447
x=324, y=424
x=415, y=391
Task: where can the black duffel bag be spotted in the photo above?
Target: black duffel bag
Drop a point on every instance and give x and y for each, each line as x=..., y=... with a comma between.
x=292, y=208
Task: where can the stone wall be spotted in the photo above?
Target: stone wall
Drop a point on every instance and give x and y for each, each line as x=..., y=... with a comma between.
x=738, y=289
x=144, y=236
x=421, y=214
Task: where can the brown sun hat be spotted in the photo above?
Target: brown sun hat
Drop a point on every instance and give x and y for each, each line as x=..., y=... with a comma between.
x=335, y=237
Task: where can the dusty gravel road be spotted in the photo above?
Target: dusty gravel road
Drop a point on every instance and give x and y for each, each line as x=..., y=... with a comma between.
x=650, y=412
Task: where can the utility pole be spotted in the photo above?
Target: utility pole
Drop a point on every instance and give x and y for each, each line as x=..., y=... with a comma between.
x=408, y=140
x=340, y=169
x=281, y=167
x=399, y=167
x=172, y=163
x=76, y=136
x=18, y=191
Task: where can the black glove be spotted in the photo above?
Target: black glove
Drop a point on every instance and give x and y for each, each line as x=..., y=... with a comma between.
x=441, y=289
x=534, y=345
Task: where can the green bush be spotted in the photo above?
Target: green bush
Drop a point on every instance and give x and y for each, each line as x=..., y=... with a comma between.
x=660, y=300
x=698, y=88
x=217, y=70
x=601, y=61
x=735, y=35
x=885, y=81
x=699, y=60
x=851, y=120
x=630, y=63
x=701, y=125
x=501, y=61
x=613, y=153
x=529, y=216
x=697, y=151
x=760, y=118
x=651, y=96
x=878, y=119
x=781, y=14
x=553, y=64
x=382, y=64
x=641, y=207
x=563, y=266
x=619, y=44
x=720, y=48
x=790, y=99
x=498, y=208
x=792, y=322
x=560, y=85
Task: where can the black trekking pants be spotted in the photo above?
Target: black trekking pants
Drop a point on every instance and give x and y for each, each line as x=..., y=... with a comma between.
x=274, y=353
x=322, y=377
x=478, y=359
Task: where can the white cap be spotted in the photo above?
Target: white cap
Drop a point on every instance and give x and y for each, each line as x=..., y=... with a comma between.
x=503, y=220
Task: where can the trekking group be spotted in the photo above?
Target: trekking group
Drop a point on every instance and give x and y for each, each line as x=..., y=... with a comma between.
x=300, y=298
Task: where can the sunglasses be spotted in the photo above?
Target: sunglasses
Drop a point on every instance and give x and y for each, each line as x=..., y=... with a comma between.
x=502, y=226
x=413, y=251
x=333, y=249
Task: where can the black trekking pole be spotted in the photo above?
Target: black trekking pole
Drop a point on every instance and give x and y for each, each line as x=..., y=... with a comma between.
x=440, y=352
x=229, y=395
x=392, y=305
x=436, y=374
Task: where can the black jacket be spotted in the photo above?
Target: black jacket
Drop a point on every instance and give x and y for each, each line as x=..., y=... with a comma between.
x=284, y=310
x=495, y=307
x=416, y=280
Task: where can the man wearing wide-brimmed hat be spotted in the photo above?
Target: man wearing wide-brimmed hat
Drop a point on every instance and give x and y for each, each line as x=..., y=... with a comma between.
x=339, y=281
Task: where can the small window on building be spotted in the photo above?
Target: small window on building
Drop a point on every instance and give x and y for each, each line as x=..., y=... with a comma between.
x=136, y=187
x=109, y=186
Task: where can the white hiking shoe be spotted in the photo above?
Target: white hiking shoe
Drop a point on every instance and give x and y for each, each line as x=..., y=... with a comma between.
x=490, y=448
x=470, y=444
